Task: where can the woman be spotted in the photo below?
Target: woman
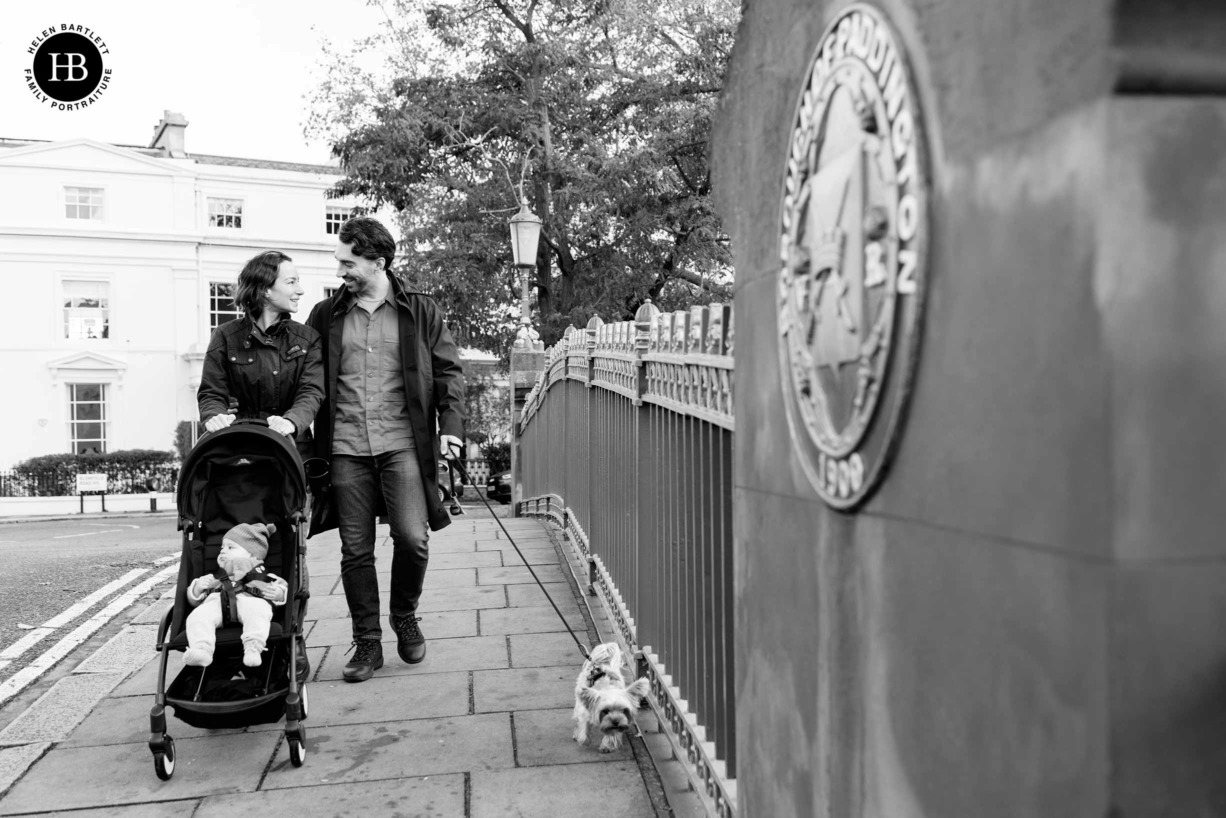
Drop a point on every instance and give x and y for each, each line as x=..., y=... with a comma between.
x=264, y=365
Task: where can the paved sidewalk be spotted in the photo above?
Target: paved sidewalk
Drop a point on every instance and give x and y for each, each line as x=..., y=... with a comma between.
x=480, y=729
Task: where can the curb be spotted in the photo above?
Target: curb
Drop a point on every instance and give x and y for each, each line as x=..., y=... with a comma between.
x=110, y=515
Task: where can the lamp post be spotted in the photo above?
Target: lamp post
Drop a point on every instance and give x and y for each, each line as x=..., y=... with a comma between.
x=525, y=233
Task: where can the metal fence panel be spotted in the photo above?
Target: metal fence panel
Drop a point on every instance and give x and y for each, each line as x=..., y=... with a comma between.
x=626, y=441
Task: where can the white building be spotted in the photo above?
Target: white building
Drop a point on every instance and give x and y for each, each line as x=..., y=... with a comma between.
x=118, y=261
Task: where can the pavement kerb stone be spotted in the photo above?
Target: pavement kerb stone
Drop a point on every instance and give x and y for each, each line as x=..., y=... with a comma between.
x=92, y=515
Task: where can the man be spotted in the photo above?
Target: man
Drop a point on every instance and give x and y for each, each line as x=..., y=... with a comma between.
x=392, y=377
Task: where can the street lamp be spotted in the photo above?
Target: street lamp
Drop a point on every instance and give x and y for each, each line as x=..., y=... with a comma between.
x=525, y=233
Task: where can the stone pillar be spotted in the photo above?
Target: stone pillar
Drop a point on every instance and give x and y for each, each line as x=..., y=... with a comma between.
x=527, y=364
x=1022, y=615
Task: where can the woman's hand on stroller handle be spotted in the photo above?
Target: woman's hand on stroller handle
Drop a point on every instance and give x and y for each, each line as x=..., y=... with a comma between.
x=281, y=426
x=218, y=422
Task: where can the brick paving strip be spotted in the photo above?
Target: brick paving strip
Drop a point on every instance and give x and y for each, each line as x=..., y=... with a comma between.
x=480, y=729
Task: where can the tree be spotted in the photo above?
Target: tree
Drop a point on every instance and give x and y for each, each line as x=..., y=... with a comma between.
x=487, y=414
x=596, y=111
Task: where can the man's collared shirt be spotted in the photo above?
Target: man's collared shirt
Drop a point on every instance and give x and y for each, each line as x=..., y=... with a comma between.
x=372, y=413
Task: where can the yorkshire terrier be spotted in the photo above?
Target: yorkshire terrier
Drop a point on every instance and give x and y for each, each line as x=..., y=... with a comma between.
x=602, y=698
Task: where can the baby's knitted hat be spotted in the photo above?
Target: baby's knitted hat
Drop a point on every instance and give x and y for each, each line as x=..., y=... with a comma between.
x=253, y=537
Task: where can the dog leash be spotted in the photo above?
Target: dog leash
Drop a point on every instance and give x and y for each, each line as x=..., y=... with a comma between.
x=469, y=480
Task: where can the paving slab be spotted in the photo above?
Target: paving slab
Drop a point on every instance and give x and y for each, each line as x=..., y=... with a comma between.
x=445, y=578
x=474, y=559
x=534, y=688
x=546, y=737
x=325, y=582
x=434, y=625
x=433, y=599
x=205, y=766
x=389, y=698
x=514, y=523
x=371, y=752
x=533, y=555
x=546, y=650
x=520, y=575
x=435, y=578
x=442, y=655
x=65, y=705
x=531, y=596
x=436, y=796
x=590, y=789
x=455, y=599
x=322, y=567
x=524, y=541
x=14, y=761
x=528, y=620
x=125, y=720
x=335, y=606
x=452, y=545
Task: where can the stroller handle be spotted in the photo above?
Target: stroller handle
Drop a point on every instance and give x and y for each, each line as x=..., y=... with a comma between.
x=251, y=421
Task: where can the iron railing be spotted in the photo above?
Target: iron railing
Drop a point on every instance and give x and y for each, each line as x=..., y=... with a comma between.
x=626, y=442
x=62, y=481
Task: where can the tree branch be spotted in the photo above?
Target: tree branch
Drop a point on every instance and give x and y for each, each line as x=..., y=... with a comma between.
x=523, y=26
x=701, y=282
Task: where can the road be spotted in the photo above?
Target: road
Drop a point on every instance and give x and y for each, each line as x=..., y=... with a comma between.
x=52, y=567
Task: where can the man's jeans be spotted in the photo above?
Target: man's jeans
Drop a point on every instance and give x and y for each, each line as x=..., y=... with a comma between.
x=355, y=481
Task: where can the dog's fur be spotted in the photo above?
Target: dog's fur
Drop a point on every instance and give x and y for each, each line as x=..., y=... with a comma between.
x=603, y=700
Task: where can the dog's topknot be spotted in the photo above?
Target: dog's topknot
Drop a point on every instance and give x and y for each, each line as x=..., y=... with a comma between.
x=607, y=653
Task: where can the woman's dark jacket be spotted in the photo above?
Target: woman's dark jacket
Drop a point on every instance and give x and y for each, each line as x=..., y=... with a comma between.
x=278, y=373
x=434, y=382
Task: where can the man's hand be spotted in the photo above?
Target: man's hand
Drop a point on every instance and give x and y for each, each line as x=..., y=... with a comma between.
x=281, y=426
x=218, y=422
x=450, y=446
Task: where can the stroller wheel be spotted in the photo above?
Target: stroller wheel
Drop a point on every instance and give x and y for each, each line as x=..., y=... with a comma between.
x=297, y=745
x=164, y=760
x=302, y=692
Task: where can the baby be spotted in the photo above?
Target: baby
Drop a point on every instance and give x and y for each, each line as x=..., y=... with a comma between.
x=241, y=559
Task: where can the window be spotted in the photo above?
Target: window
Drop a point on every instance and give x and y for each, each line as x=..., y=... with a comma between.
x=226, y=213
x=83, y=202
x=86, y=309
x=329, y=292
x=87, y=410
x=221, y=305
x=334, y=217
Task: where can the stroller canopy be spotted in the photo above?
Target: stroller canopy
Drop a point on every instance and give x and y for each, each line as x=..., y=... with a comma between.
x=243, y=448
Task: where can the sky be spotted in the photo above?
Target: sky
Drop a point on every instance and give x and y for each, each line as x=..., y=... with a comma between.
x=240, y=71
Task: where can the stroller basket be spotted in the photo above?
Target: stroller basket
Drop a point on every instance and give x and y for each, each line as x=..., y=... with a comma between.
x=227, y=694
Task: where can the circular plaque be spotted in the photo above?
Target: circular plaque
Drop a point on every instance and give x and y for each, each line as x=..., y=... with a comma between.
x=853, y=255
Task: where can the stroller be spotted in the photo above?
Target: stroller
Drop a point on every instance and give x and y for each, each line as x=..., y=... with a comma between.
x=244, y=473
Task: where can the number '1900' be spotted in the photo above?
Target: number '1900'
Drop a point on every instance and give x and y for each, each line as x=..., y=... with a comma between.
x=841, y=476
